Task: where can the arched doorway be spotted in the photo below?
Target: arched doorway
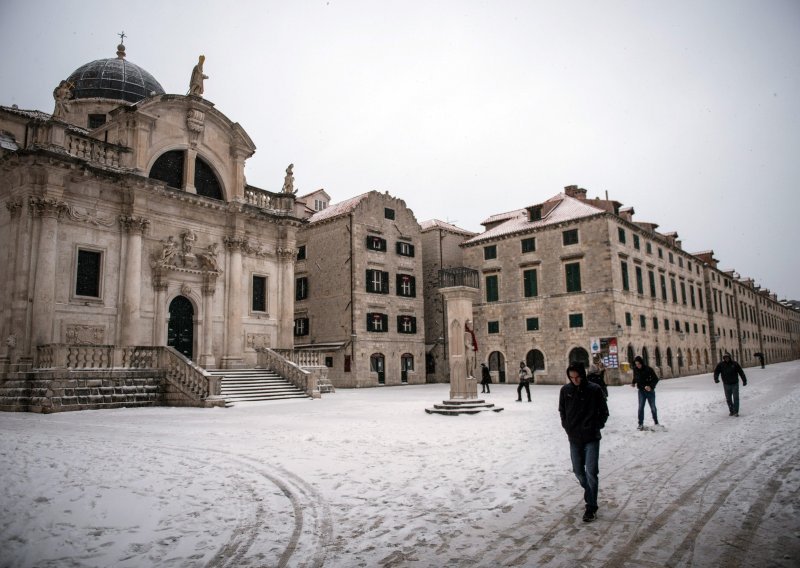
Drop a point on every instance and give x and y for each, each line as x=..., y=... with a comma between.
x=658, y=357
x=535, y=360
x=180, y=332
x=406, y=365
x=377, y=365
x=645, y=356
x=498, y=363
x=579, y=355
x=631, y=354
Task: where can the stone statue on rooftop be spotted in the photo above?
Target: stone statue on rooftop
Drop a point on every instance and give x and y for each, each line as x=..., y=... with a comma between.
x=62, y=95
x=288, y=181
x=196, y=82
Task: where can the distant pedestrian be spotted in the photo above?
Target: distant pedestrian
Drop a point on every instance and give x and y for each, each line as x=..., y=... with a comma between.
x=597, y=374
x=486, y=378
x=645, y=379
x=524, y=381
x=730, y=371
x=584, y=412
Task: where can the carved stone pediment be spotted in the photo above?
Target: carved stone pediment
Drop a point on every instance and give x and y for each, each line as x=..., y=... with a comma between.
x=183, y=256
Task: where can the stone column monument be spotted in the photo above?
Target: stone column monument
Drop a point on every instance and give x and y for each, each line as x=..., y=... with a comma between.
x=459, y=287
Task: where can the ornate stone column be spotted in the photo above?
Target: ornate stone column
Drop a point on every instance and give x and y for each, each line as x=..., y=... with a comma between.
x=458, y=309
x=285, y=308
x=209, y=286
x=188, y=170
x=8, y=335
x=233, y=295
x=49, y=212
x=131, y=293
x=160, y=311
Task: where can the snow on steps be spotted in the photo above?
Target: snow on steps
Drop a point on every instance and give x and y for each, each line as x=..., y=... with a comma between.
x=250, y=385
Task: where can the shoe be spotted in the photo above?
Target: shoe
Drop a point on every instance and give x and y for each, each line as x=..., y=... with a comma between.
x=519, y=400
x=530, y=401
x=730, y=414
x=640, y=427
x=589, y=516
x=736, y=414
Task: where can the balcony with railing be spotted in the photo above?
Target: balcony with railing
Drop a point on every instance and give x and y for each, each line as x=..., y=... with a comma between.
x=460, y=276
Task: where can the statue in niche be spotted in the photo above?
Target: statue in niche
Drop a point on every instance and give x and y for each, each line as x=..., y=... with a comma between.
x=196, y=82
x=288, y=181
x=62, y=95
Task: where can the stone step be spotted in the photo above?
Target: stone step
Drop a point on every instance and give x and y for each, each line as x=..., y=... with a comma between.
x=253, y=385
x=465, y=406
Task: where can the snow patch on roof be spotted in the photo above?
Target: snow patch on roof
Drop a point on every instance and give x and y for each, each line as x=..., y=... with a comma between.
x=338, y=209
x=431, y=224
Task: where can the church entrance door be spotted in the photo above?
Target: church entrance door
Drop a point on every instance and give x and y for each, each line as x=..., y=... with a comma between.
x=180, y=333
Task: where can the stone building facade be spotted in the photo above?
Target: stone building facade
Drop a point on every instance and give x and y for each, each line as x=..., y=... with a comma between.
x=127, y=221
x=441, y=249
x=358, y=291
x=572, y=277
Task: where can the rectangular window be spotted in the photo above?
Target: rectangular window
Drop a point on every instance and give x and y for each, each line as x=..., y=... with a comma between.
x=648, y=247
x=695, y=328
x=529, y=244
x=493, y=327
x=301, y=252
x=660, y=253
x=663, y=287
x=329, y=362
x=300, y=327
x=686, y=326
x=301, y=288
x=651, y=276
x=674, y=290
x=376, y=243
x=643, y=322
x=96, y=120
x=529, y=283
x=628, y=319
x=490, y=252
x=259, y=293
x=573, y=274
x=388, y=213
x=406, y=286
x=691, y=296
x=406, y=324
x=666, y=324
x=671, y=258
x=492, y=288
x=625, y=285
x=377, y=282
x=570, y=237
x=532, y=324
x=700, y=297
x=576, y=320
x=677, y=325
x=683, y=293
x=655, y=323
x=405, y=249
x=89, y=269
x=636, y=242
x=639, y=280
x=680, y=261
x=621, y=235
x=377, y=322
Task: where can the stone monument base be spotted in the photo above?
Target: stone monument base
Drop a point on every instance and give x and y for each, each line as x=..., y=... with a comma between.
x=456, y=407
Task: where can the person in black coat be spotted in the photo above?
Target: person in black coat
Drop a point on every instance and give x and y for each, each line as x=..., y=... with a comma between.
x=730, y=372
x=584, y=412
x=645, y=379
x=486, y=379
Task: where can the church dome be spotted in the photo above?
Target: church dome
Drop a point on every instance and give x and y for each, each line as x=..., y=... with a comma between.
x=114, y=78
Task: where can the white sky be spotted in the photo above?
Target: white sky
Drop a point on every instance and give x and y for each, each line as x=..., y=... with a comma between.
x=687, y=111
x=363, y=477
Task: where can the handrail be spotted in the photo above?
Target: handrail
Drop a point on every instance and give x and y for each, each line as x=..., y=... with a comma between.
x=289, y=370
x=182, y=373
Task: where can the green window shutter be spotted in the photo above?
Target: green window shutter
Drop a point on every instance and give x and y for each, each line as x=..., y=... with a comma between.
x=530, y=284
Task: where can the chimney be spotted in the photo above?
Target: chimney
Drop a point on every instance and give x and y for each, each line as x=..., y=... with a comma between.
x=575, y=191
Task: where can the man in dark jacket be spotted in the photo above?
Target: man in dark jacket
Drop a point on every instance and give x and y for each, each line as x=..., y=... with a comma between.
x=584, y=412
x=730, y=371
x=645, y=379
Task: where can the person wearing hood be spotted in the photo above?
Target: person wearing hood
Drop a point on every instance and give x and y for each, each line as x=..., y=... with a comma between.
x=584, y=412
x=645, y=379
x=730, y=372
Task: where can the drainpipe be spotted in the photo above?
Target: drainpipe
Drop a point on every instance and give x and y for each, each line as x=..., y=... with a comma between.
x=352, y=299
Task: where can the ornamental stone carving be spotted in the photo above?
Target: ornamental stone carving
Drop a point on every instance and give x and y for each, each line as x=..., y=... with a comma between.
x=14, y=206
x=89, y=217
x=257, y=341
x=47, y=207
x=132, y=224
x=286, y=254
x=78, y=334
x=182, y=256
x=195, y=124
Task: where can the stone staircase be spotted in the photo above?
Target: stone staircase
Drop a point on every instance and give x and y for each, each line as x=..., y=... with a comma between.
x=250, y=385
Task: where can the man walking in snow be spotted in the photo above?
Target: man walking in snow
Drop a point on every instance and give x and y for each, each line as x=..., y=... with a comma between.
x=645, y=379
x=730, y=371
x=584, y=412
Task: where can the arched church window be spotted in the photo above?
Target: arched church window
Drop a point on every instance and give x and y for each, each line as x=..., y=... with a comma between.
x=169, y=168
x=205, y=180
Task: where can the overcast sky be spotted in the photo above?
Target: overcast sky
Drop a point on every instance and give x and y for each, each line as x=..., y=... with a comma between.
x=688, y=111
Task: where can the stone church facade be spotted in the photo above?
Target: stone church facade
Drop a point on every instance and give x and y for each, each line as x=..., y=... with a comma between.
x=127, y=221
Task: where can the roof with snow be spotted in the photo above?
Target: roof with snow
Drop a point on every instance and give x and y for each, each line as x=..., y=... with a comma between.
x=431, y=224
x=337, y=209
x=562, y=208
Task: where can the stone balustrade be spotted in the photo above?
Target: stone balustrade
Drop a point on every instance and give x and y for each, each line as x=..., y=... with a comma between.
x=93, y=150
x=268, y=200
x=304, y=379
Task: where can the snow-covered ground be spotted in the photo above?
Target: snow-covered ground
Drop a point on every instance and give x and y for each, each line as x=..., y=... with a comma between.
x=367, y=478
